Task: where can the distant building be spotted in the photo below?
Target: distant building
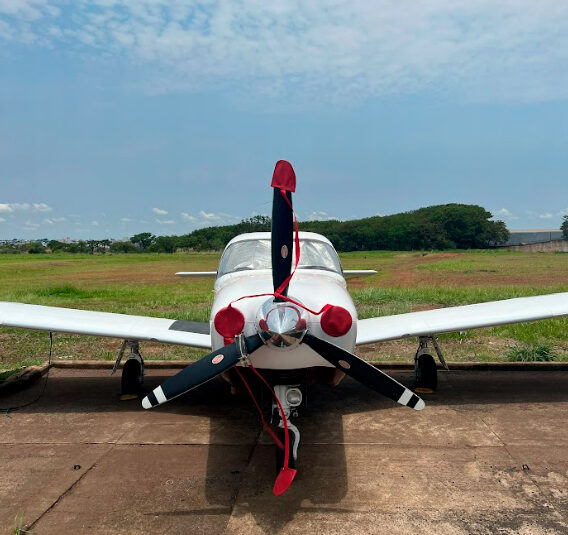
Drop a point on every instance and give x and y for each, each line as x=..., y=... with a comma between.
x=526, y=236
x=537, y=240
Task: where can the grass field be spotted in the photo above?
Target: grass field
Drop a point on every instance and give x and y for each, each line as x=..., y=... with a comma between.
x=407, y=281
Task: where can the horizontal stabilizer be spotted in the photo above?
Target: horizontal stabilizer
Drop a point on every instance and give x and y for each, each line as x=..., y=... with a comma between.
x=208, y=274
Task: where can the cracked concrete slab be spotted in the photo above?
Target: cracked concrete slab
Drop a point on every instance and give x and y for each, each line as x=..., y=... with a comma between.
x=34, y=476
x=489, y=454
x=152, y=489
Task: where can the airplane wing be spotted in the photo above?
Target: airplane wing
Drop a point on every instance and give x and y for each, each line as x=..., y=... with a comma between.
x=462, y=318
x=69, y=320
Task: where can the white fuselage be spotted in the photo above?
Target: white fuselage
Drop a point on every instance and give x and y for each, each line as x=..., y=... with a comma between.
x=314, y=288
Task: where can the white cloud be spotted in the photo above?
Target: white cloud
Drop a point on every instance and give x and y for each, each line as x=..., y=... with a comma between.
x=188, y=217
x=211, y=216
x=30, y=225
x=159, y=211
x=547, y=215
x=165, y=221
x=53, y=220
x=24, y=207
x=95, y=223
x=126, y=220
x=329, y=50
x=41, y=207
x=505, y=214
x=2, y=220
x=216, y=219
x=319, y=216
x=13, y=207
x=26, y=9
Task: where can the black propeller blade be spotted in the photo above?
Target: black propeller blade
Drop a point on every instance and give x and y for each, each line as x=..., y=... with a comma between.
x=283, y=179
x=201, y=371
x=364, y=372
x=282, y=240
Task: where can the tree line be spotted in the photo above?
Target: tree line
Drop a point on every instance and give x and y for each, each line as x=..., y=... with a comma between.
x=447, y=226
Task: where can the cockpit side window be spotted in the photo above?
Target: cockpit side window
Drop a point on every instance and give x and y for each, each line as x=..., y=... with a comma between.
x=255, y=254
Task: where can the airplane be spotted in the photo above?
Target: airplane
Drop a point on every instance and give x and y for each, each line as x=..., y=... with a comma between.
x=282, y=313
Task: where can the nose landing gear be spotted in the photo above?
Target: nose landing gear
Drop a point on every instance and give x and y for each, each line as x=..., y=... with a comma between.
x=290, y=397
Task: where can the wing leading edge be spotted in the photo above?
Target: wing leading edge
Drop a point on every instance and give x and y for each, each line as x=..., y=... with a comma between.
x=69, y=320
x=462, y=318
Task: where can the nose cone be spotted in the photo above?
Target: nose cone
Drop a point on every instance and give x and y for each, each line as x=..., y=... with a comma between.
x=281, y=324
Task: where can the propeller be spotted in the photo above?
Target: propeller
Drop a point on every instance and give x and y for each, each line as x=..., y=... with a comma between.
x=229, y=323
x=203, y=370
x=363, y=372
x=284, y=183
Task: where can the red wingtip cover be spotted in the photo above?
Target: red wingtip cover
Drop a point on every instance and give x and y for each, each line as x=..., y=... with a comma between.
x=283, y=481
x=284, y=176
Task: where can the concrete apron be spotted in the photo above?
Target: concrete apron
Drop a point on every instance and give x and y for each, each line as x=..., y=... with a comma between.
x=489, y=454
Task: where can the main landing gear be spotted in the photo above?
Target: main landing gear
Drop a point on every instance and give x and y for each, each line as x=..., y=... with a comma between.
x=290, y=397
x=132, y=380
x=426, y=379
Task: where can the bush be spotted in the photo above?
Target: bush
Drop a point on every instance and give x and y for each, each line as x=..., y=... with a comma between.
x=540, y=353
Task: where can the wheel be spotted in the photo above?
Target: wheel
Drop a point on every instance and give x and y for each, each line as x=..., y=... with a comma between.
x=426, y=375
x=132, y=380
x=280, y=453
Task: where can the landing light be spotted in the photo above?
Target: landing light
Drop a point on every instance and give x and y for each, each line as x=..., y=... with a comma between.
x=294, y=396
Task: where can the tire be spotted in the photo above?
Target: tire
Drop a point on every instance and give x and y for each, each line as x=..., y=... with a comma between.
x=426, y=373
x=132, y=378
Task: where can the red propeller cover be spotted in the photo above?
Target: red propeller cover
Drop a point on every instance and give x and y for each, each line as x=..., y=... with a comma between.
x=336, y=321
x=283, y=481
x=229, y=322
x=284, y=176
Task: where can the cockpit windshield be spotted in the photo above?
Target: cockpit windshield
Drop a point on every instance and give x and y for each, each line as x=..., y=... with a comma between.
x=255, y=254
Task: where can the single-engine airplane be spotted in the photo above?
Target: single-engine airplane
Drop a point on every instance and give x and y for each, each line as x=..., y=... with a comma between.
x=282, y=310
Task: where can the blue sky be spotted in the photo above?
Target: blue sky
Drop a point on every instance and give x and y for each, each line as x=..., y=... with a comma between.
x=119, y=116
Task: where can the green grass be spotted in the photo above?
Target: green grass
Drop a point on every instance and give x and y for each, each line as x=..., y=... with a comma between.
x=4, y=375
x=540, y=353
x=144, y=284
x=20, y=526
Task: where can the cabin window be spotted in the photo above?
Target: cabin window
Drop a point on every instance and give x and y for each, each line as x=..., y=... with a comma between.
x=255, y=254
